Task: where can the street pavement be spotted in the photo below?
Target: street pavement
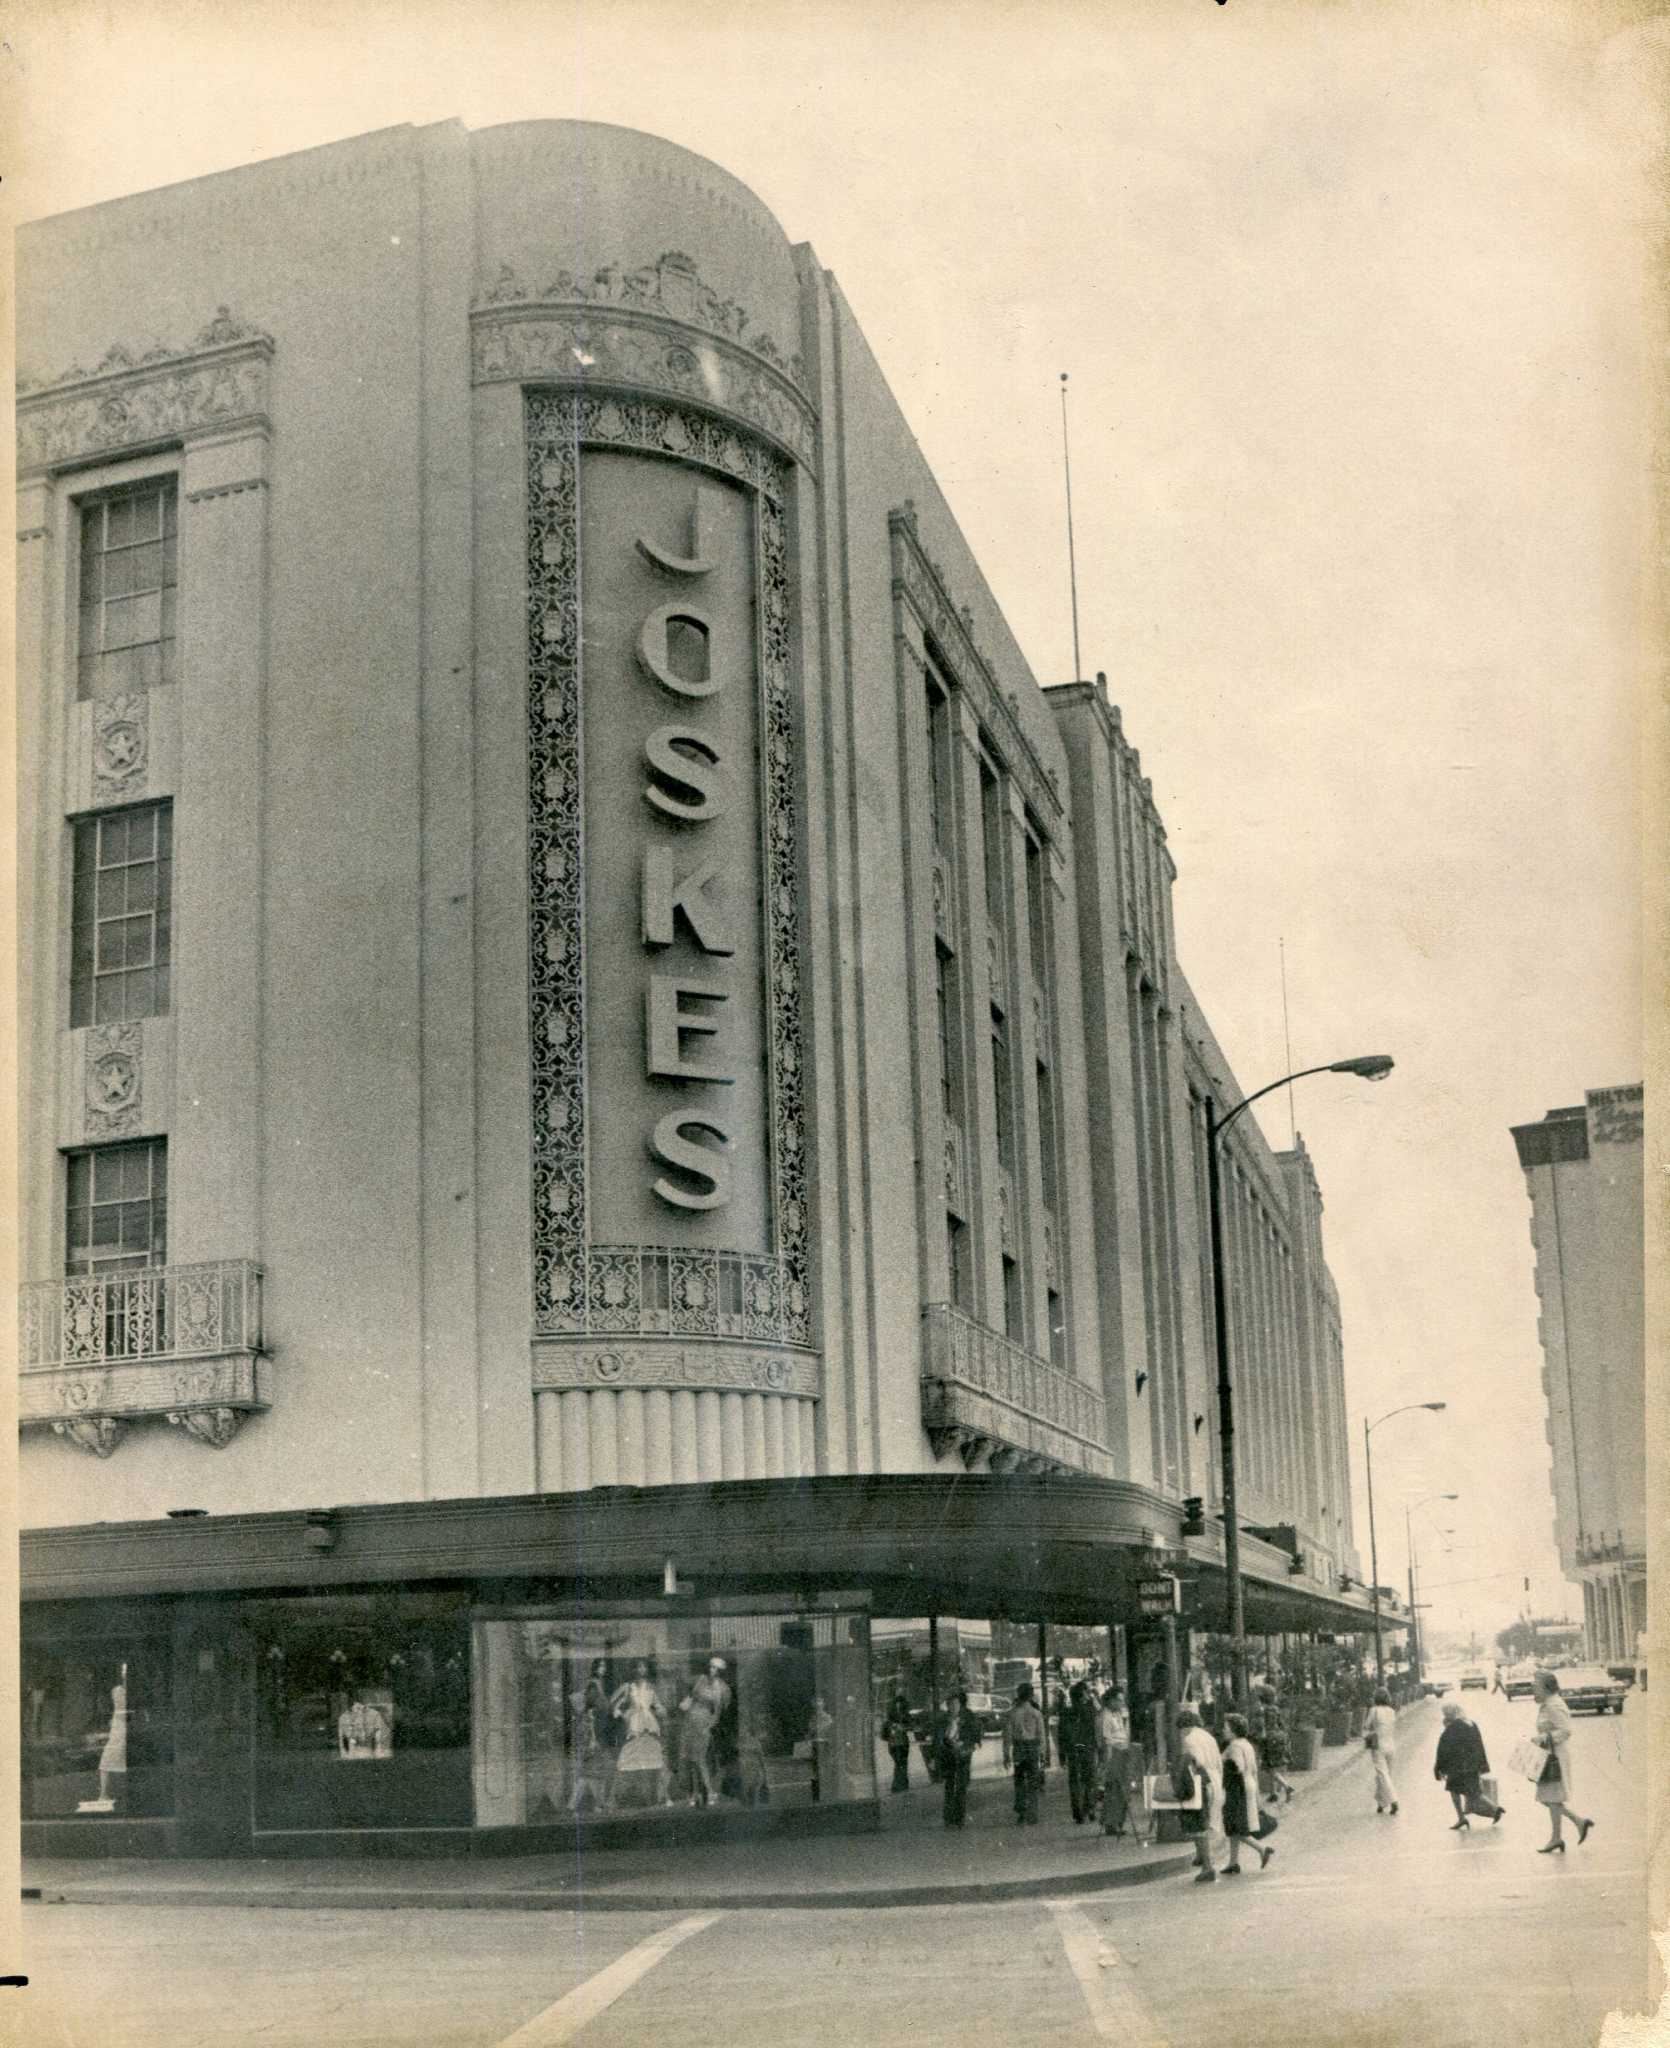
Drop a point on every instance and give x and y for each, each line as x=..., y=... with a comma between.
x=1364, y=1931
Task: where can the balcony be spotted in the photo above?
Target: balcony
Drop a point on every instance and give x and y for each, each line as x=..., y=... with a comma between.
x=987, y=1397
x=180, y=1344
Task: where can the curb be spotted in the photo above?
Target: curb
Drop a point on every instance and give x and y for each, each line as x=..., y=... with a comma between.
x=550, y=1900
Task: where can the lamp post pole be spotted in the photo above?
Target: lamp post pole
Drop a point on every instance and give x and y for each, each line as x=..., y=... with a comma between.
x=1373, y=1551
x=1371, y=1067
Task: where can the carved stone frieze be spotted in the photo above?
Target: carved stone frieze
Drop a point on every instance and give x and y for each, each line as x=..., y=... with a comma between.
x=121, y=746
x=580, y=1287
x=723, y=1368
x=671, y=286
x=113, y=1079
x=134, y=398
x=976, y=1380
x=533, y=346
x=920, y=583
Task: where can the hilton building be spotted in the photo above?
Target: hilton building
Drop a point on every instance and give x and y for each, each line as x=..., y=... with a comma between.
x=608, y=1082
x=1583, y=1172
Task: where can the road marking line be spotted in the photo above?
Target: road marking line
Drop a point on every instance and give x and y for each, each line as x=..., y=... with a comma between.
x=579, y=2007
x=1117, y=2009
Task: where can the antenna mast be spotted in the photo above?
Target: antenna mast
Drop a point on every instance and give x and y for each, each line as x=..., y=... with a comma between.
x=1072, y=563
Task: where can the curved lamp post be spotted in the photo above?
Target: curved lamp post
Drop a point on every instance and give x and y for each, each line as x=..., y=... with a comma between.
x=1417, y=1657
x=1373, y=1549
x=1369, y=1067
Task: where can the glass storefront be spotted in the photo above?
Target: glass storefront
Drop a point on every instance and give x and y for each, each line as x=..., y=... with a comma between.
x=582, y=1712
x=362, y=1712
x=98, y=1728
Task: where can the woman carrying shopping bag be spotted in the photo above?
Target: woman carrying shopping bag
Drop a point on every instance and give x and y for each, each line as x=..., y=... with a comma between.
x=1554, y=1786
x=1243, y=1822
x=1381, y=1738
x=1461, y=1764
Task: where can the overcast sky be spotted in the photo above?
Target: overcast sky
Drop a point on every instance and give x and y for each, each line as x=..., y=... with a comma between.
x=1354, y=302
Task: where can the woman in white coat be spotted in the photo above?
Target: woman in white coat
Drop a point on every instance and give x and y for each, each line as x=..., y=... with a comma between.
x=1381, y=1737
x=1554, y=1787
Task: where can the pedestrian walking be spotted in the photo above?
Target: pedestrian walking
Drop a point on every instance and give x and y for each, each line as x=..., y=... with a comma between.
x=895, y=1732
x=1461, y=1764
x=1381, y=1738
x=959, y=1738
x=1077, y=1737
x=1243, y=1819
x=1113, y=1755
x=1199, y=1757
x=1554, y=1787
x=1024, y=1731
x=1269, y=1737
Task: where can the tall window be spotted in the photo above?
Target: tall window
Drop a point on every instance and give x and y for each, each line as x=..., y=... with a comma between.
x=128, y=546
x=117, y=1212
x=1049, y=1157
x=119, y=916
x=939, y=764
x=1014, y=1307
x=1035, y=911
x=1003, y=1095
x=962, y=1272
x=991, y=824
x=950, y=1093
x=1058, y=1330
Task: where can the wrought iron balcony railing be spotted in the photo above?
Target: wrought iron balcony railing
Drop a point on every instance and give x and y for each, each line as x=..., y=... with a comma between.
x=99, y=1351
x=986, y=1396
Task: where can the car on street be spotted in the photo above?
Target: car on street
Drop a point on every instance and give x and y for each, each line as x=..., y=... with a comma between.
x=1592, y=1688
x=1475, y=1679
x=992, y=1709
x=1517, y=1682
x=1436, y=1683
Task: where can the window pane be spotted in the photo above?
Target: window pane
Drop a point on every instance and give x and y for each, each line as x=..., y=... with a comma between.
x=139, y=941
x=107, y=1227
x=113, y=838
x=111, y=946
x=159, y=1232
x=142, y=886
x=170, y=509
x=147, y=514
x=121, y=573
x=159, y=1171
x=170, y=556
x=107, y=1175
x=92, y=572
x=131, y=620
x=164, y=815
x=146, y=573
x=136, y=1226
x=136, y=1170
x=119, y=530
x=138, y=997
x=80, y=1179
x=142, y=833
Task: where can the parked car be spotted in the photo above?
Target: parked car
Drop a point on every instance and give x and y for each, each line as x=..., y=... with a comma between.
x=1592, y=1687
x=1517, y=1682
x=1436, y=1683
x=1475, y=1679
x=992, y=1708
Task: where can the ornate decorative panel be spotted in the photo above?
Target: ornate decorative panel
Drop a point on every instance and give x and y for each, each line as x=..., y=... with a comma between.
x=991, y=1397
x=582, y=1288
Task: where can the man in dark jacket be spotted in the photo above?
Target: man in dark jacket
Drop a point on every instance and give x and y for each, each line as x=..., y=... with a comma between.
x=1078, y=1749
x=1461, y=1763
x=959, y=1738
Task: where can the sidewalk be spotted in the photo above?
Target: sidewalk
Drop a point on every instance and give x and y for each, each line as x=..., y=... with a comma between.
x=914, y=1860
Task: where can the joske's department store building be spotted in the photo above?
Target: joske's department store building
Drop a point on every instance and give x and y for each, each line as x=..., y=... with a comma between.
x=609, y=1093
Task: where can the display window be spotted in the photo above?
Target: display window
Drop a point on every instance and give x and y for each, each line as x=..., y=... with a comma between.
x=98, y=1729
x=577, y=1712
x=362, y=1714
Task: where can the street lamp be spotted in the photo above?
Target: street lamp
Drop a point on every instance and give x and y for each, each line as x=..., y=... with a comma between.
x=1409, y=1512
x=1434, y=1407
x=1368, y=1067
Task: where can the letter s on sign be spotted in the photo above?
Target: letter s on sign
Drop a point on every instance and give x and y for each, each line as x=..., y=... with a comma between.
x=701, y=1161
x=697, y=772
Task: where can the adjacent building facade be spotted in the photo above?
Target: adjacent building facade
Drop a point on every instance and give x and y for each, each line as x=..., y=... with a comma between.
x=1583, y=1170
x=609, y=1092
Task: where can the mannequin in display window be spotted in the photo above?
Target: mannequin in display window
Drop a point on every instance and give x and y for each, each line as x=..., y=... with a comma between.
x=594, y=1776
x=362, y=1731
x=113, y=1758
x=703, y=1708
x=641, y=1719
